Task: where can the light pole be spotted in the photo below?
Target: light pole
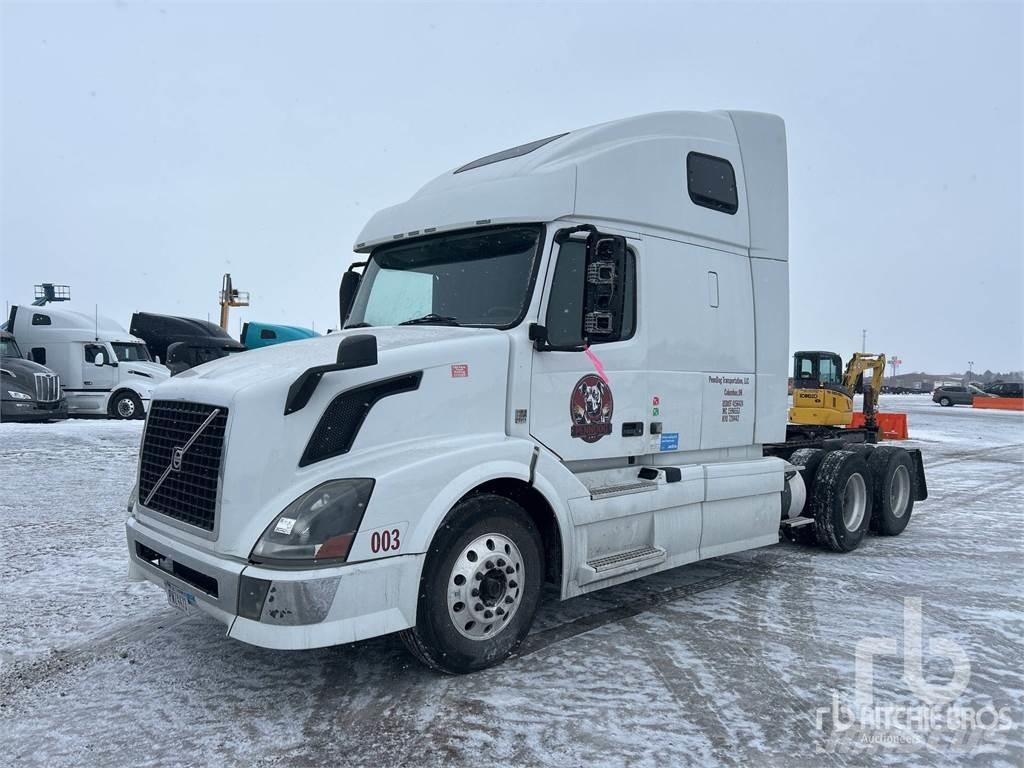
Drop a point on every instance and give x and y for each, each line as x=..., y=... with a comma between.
x=970, y=370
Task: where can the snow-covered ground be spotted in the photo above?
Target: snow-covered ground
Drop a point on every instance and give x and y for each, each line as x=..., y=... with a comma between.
x=722, y=662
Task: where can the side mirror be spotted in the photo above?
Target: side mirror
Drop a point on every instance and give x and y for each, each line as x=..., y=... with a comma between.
x=603, y=287
x=347, y=291
x=99, y=360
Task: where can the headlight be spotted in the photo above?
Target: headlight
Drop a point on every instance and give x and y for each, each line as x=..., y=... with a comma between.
x=18, y=395
x=318, y=527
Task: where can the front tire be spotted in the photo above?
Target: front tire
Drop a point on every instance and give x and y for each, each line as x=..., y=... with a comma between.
x=480, y=586
x=842, y=501
x=945, y=402
x=126, y=405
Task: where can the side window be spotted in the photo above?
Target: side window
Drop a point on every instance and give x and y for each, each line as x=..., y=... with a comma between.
x=565, y=304
x=38, y=354
x=827, y=374
x=38, y=319
x=91, y=350
x=266, y=333
x=711, y=182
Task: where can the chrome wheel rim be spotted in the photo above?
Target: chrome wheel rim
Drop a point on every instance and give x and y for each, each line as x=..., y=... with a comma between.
x=899, y=491
x=125, y=408
x=485, y=586
x=855, y=499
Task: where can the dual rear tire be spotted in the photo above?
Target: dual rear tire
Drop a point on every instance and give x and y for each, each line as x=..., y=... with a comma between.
x=852, y=491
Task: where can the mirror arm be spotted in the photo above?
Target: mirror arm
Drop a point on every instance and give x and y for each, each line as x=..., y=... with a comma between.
x=564, y=234
x=359, y=351
x=539, y=337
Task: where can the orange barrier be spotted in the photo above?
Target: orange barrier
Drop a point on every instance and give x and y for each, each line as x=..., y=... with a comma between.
x=892, y=425
x=1000, y=403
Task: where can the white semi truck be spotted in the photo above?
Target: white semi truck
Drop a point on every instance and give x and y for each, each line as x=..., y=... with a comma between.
x=564, y=362
x=105, y=371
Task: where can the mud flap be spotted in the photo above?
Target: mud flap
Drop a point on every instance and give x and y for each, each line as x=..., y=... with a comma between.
x=920, y=484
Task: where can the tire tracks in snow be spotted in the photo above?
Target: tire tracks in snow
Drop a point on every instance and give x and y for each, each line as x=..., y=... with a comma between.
x=20, y=675
x=538, y=641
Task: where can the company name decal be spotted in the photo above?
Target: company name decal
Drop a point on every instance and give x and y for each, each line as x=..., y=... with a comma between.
x=591, y=407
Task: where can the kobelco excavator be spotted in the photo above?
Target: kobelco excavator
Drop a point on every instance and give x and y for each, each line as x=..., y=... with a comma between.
x=822, y=397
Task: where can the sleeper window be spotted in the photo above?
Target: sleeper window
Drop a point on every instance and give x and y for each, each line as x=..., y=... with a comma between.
x=711, y=182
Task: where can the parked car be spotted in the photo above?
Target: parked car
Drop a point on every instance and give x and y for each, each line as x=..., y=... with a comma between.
x=28, y=391
x=1006, y=389
x=957, y=394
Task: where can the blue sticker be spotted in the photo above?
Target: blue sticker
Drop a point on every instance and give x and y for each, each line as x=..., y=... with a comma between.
x=670, y=441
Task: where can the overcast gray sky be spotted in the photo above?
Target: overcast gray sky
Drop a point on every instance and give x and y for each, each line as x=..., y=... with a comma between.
x=149, y=147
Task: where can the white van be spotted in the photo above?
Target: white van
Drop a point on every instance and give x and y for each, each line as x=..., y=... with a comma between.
x=103, y=368
x=564, y=362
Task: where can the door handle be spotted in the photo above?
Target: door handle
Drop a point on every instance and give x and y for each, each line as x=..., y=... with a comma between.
x=632, y=428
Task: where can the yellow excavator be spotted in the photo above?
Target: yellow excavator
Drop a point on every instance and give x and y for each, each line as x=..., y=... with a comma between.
x=822, y=397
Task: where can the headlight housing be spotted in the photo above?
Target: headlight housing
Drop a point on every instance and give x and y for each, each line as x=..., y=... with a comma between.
x=18, y=395
x=318, y=527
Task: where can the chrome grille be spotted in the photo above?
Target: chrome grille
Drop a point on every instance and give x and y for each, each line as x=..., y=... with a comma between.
x=189, y=493
x=47, y=387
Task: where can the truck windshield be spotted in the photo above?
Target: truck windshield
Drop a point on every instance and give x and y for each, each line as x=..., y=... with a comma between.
x=9, y=348
x=129, y=353
x=479, y=278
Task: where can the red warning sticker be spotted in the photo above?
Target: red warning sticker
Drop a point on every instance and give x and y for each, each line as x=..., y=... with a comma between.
x=460, y=371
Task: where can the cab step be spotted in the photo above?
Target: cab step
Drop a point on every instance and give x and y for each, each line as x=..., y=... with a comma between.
x=610, y=491
x=623, y=562
x=796, y=522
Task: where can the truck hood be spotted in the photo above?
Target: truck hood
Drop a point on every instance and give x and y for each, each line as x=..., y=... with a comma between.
x=20, y=366
x=19, y=375
x=155, y=371
x=287, y=361
x=462, y=390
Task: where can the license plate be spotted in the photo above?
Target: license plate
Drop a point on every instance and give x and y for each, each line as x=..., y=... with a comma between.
x=179, y=598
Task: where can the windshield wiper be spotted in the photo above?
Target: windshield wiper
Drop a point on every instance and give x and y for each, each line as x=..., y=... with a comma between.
x=432, y=319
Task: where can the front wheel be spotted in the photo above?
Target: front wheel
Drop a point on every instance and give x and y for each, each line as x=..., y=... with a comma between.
x=480, y=586
x=126, y=405
x=945, y=402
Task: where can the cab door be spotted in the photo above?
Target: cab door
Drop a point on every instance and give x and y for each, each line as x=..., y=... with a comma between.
x=101, y=378
x=589, y=406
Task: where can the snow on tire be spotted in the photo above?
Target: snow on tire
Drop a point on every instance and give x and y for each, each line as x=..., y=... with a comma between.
x=842, y=500
x=892, y=475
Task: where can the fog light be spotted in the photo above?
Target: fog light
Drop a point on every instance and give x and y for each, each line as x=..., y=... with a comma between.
x=251, y=595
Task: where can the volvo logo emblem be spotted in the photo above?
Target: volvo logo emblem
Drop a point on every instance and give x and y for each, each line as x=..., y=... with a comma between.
x=178, y=454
